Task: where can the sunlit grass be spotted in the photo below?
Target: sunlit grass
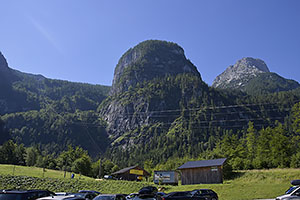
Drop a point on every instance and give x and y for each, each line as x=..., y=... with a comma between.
x=37, y=172
x=247, y=185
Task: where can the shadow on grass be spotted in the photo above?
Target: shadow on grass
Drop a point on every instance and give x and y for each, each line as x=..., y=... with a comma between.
x=234, y=175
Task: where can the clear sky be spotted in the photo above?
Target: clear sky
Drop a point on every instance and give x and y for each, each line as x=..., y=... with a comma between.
x=82, y=40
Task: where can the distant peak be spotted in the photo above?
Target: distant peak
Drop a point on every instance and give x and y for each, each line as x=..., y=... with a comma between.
x=252, y=62
x=238, y=75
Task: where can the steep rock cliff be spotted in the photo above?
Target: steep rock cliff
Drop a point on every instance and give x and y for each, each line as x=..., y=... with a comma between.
x=137, y=91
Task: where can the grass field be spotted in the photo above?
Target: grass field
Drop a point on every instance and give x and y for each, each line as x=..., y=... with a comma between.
x=253, y=184
x=36, y=172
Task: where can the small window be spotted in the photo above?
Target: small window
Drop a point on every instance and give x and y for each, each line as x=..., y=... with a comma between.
x=214, y=169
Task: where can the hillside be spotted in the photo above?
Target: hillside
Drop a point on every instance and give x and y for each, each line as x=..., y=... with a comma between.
x=52, y=113
x=248, y=185
x=270, y=83
x=176, y=114
x=157, y=109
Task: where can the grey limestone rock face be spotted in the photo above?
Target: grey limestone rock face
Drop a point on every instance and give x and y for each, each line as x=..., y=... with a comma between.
x=238, y=75
x=147, y=61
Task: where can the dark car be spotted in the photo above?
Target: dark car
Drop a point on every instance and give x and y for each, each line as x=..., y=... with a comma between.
x=207, y=193
x=148, y=193
x=85, y=195
x=110, y=197
x=187, y=195
x=24, y=194
x=89, y=191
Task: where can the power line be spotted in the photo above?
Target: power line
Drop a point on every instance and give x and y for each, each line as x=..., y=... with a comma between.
x=211, y=109
x=202, y=121
x=50, y=106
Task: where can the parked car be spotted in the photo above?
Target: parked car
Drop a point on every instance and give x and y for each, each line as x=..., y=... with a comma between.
x=61, y=193
x=23, y=194
x=131, y=196
x=85, y=195
x=109, y=177
x=148, y=193
x=110, y=197
x=293, y=193
x=68, y=197
x=161, y=194
x=89, y=191
x=187, y=195
x=207, y=193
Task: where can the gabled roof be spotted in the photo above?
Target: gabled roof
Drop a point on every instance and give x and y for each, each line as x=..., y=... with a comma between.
x=203, y=163
x=129, y=168
x=124, y=170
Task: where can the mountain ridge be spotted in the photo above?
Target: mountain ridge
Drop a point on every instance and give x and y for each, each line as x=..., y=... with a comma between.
x=158, y=107
x=250, y=71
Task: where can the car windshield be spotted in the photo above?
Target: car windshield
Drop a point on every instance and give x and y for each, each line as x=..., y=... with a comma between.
x=142, y=198
x=105, y=198
x=178, y=194
x=8, y=196
x=78, y=194
x=291, y=189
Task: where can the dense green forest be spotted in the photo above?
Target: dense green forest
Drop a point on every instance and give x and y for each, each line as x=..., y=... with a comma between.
x=251, y=148
x=195, y=118
x=198, y=123
x=51, y=113
x=157, y=114
x=266, y=83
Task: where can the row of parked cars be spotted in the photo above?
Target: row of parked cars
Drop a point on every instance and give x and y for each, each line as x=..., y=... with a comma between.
x=146, y=193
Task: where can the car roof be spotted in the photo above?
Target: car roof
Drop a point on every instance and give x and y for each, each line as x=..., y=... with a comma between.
x=22, y=191
x=202, y=189
x=60, y=197
x=86, y=191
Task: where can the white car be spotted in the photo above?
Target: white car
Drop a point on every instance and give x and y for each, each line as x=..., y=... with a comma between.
x=68, y=197
x=131, y=196
x=293, y=193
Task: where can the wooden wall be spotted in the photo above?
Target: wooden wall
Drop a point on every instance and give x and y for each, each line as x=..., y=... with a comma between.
x=127, y=176
x=205, y=175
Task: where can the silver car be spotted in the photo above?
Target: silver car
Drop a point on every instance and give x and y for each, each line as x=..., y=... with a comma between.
x=68, y=197
x=293, y=193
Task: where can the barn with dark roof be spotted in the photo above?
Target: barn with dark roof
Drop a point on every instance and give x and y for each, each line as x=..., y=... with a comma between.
x=202, y=172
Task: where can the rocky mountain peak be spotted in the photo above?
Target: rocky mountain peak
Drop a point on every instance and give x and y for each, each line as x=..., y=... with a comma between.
x=249, y=62
x=148, y=60
x=238, y=75
x=3, y=63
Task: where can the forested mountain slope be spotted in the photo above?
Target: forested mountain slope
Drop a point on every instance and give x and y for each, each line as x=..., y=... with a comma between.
x=52, y=113
x=158, y=108
x=174, y=113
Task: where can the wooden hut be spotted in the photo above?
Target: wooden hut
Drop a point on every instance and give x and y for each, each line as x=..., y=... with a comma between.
x=134, y=173
x=202, y=171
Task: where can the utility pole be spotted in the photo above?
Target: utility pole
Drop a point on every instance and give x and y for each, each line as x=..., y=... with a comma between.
x=100, y=169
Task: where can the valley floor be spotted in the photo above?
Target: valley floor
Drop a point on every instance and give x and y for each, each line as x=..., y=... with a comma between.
x=248, y=185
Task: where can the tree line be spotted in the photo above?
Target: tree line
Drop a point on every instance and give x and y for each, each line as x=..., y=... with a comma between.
x=74, y=159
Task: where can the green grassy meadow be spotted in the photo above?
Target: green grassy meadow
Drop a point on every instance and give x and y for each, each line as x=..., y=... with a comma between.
x=37, y=172
x=252, y=184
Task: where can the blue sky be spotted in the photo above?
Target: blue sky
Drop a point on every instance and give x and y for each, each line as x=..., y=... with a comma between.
x=82, y=40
